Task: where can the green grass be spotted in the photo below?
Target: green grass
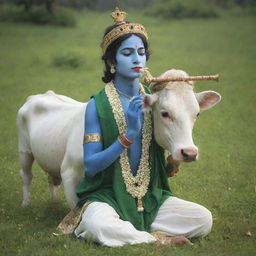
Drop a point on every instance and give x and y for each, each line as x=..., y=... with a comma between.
x=224, y=178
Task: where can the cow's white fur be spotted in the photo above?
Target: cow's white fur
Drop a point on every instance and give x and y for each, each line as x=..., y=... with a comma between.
x=51, y=128
x=182, y=105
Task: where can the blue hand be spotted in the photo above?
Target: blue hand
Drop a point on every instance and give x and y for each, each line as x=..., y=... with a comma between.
x=134, y=117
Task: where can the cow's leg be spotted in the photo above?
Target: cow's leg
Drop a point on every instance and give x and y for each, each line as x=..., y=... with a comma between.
x=53, y=182
x=70, y=185
x=26, y=161
x=70, y=179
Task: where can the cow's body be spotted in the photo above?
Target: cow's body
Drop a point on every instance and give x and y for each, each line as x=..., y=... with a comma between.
x=51, y=129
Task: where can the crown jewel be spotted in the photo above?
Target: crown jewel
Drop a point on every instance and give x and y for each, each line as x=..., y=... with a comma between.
x=118, y=16
x=123, y=28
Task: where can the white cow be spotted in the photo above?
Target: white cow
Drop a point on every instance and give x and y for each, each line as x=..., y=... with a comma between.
x=50, y=131
x=175, y=109
x=51, y=127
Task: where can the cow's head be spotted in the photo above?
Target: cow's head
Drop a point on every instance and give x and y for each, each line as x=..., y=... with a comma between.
x=175, y=109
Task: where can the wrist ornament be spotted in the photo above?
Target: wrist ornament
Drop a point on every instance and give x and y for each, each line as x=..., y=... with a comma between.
x=124, y=141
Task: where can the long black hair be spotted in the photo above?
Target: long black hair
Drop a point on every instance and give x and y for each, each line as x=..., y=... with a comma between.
x=109, y=57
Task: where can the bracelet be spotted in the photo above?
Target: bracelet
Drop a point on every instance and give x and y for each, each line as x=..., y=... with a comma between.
x=124, y=141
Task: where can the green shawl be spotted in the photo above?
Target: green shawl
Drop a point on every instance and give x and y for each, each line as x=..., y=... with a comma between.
x=108, y=186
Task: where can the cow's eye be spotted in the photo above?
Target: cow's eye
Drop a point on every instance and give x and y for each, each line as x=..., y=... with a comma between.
x=197, y=114
x=165, y=114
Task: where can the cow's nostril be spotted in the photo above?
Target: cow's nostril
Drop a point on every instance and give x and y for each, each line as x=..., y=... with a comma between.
x=189, y=154
x=184, y=154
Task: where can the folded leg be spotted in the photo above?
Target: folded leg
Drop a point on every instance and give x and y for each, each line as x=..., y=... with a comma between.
x=177, y=217
x=101, y=223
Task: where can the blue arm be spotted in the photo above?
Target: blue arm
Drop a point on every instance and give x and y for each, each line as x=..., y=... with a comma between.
x=95, y=158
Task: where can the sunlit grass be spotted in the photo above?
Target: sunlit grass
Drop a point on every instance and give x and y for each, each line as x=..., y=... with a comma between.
x=223, y=179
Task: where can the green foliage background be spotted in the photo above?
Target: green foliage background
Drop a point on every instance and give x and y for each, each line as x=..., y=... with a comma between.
x=38, y=12
x=102, y=5
x=35, y=59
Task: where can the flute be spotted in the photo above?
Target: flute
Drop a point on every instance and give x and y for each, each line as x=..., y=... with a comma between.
x=148, y=78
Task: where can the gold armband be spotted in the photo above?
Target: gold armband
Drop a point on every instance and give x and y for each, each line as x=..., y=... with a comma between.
x=92, y=137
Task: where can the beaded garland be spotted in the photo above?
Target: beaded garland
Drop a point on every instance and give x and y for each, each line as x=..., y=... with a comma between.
x=137, y=185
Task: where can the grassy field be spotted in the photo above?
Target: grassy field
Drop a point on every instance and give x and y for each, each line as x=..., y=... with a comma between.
x=224, y=178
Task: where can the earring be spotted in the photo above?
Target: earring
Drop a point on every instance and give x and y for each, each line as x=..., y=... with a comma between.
x=112, y=69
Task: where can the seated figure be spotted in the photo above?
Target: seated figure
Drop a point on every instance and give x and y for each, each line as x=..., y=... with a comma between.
x=125, y=189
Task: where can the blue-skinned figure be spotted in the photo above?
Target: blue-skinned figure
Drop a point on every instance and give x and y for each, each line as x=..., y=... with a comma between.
x=130, y=58
x=125, y=195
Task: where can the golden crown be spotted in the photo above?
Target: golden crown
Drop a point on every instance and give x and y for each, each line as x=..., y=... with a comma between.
x=122, y=29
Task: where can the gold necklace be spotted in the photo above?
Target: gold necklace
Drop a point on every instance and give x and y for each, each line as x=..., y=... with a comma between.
x=137, y=186
x=126, y=95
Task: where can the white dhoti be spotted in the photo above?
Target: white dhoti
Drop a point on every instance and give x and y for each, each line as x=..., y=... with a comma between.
x=176, y=217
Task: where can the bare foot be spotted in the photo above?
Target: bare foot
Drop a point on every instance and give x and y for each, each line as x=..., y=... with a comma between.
x=178, y=240
x=168, y=240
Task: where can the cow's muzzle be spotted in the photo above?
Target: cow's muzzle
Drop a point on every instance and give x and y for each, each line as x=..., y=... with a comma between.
x=189, y=154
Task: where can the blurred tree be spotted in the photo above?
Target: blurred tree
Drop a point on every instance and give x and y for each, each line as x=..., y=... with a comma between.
x=244, y=3
x=220, y=3
x=104, y=5
x=49, y=5
x=28, y=4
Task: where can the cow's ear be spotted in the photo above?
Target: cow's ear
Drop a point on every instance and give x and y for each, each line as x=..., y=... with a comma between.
x=207, y=99
x=149, y=100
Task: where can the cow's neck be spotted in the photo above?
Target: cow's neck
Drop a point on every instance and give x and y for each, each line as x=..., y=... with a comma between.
x=128, y=86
